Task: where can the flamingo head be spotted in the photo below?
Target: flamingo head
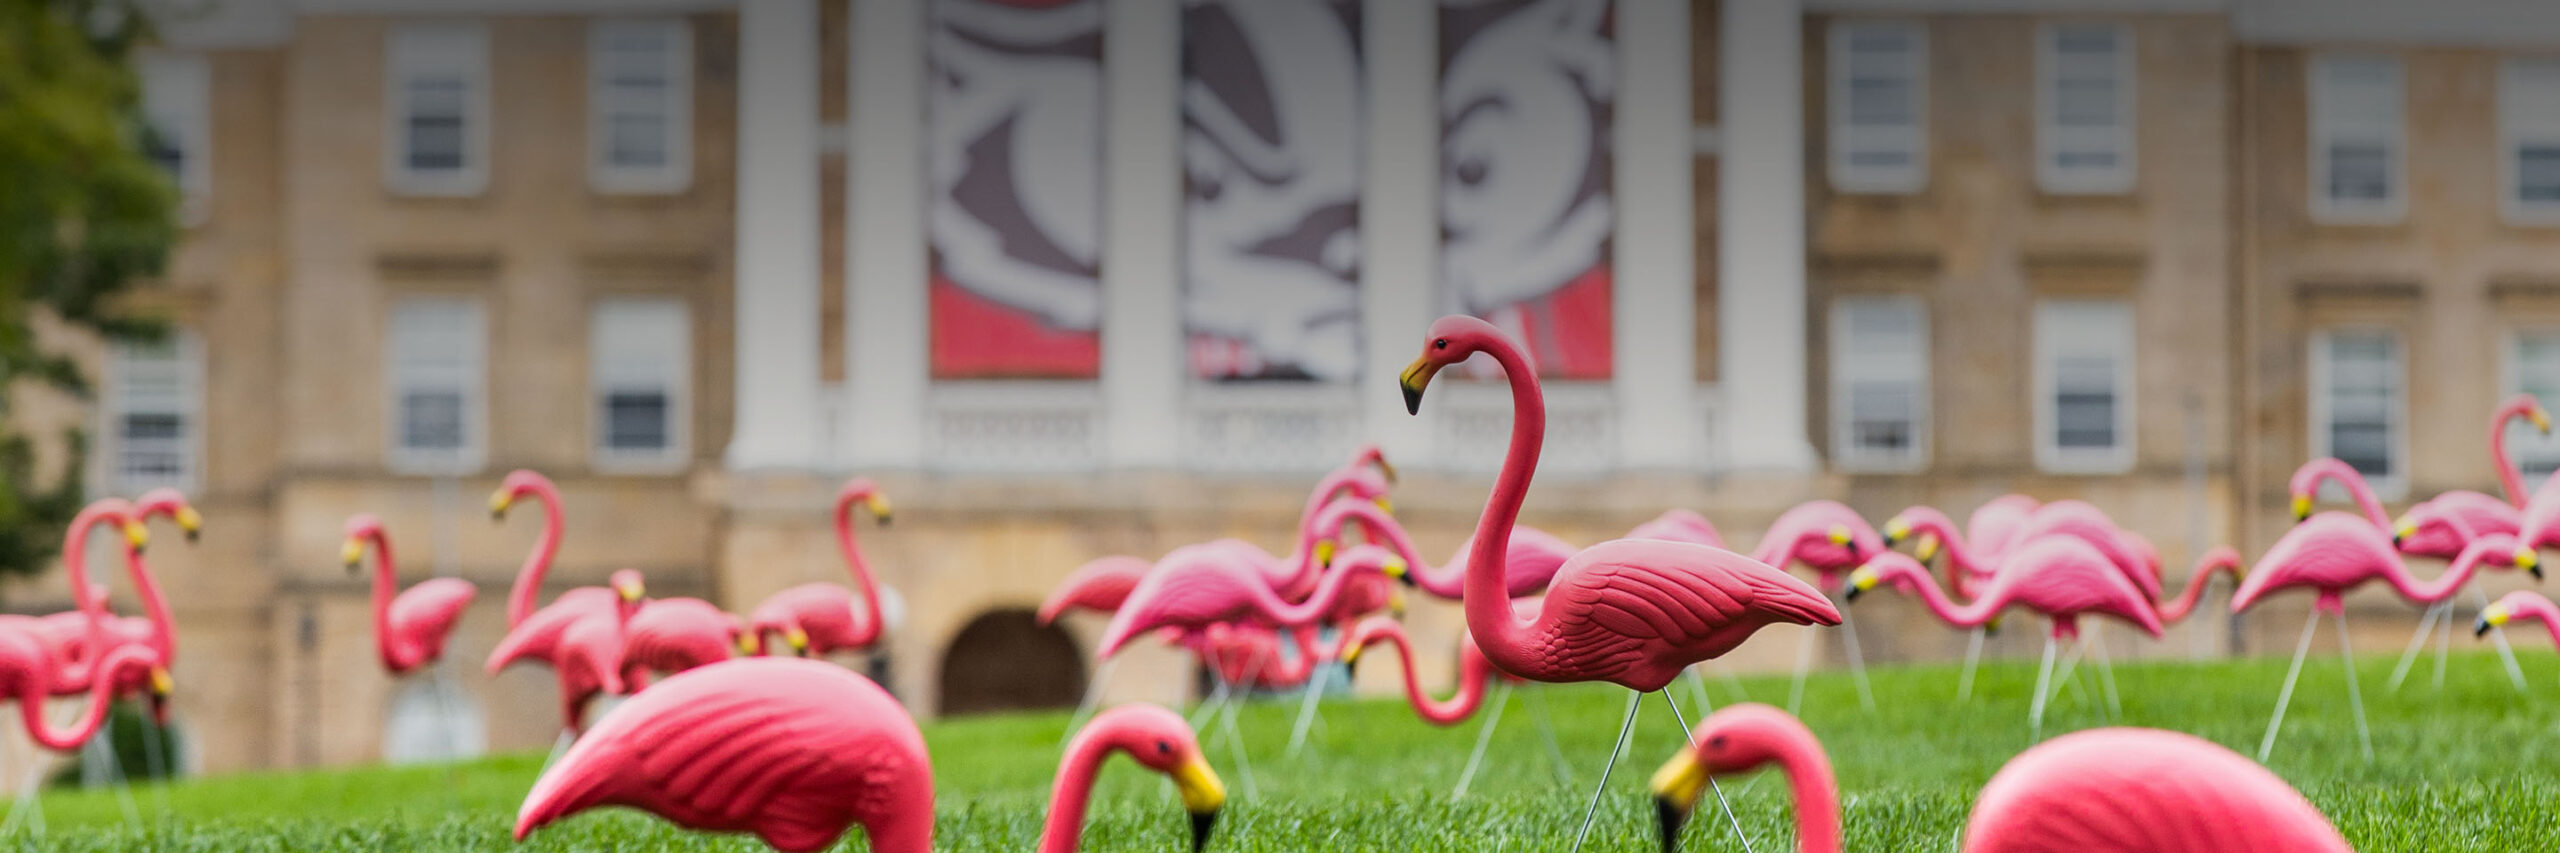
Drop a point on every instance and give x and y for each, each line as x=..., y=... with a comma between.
x=162, y=686
x=1735, y=740
x=1375, y=629
x=860, y=490
x=2541, y=419
x=1891, y=567
x=2301, y=506
x=1162, y=741
x=627, y=586
x=362, y=528
x=797, y=639
x=750, y=643
x=172, y=503
x=2528, y=559
x=1452, y=340
x=1372, y=456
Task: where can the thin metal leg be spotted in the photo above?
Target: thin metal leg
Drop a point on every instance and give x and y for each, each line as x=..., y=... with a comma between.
x=2035, y=706
x=2417, y=643
x=1484, y=737
x=1731, y=681
x=2267, y=745
x=1972, y=659
x=2069, y=676
x=1804, y=663
x=1698, y=689
x=1307, y=709
x=1690, y=737
x=1624, y=728
x=2355, y=697
x=2498, y=637
x=1857, y=662
x=1547, y=732
x=2106, y=674
x=1092, y=700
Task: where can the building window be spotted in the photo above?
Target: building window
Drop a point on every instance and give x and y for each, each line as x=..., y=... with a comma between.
x=2357, y=170
x=2356, y=403
x=640, y=369
x=1879, y=383
x=439, y=367
x=2533, y=367
x=640, y=106
x=1879, y=99
x=2084, y=385
x=2085, y=114
x=439, y=109
x=154, y=407
x=2529, y=138
x=177, y=105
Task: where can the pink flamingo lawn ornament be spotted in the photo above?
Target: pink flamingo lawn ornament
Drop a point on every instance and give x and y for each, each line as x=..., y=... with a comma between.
x=2331, y=553
x=1675, y=525
x=1631, y=612
x=1474, y=674
x=28, y=667
x=821, y=618
x=1199, y=585
x=1830, y=538
x=2520, y=604
x=2060, y=577
x=676, y=634
x=409, y=629
x=798, y=751
x=2120, y=790
x=583, y=647
x=1100, y=585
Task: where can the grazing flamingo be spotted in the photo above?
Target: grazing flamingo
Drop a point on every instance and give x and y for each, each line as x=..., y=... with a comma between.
x=1200, y=585
x=409, y=630
x=1474, y=673
x=2060, y=577
x=2331, y=553
x=2520, y=604
x=1295, y=575
x=1530, y=563
x=1675, y=525
x=1828, y=537
x=1099, y=585
x=820, y=618
x=677, y=634
x=154, y=629
x=583, y=647
x=797, y=751
x=1634, y=613
x=2121, y=790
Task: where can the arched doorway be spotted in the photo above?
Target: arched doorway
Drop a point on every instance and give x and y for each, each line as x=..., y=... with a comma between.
x=1005, y=660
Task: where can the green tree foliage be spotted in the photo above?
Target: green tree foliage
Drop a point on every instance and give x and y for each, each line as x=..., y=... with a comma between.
x=85, y=214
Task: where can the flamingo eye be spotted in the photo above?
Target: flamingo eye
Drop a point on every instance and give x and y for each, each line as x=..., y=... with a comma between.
x=1164, y=747
x=1716, y=742
x=1442, y=343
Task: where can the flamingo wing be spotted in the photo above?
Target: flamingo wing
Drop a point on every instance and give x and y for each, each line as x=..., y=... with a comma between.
x=425, y=614
x=1098, y=585
x=792, y=750
x=1679, y=525
x=1634, y=612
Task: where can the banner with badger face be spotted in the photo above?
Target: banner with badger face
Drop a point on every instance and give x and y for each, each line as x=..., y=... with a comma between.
x=1272, y=147
x=1527, y=108
x=1014, y=154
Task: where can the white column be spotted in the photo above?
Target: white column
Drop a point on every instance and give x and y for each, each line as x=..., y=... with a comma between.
x=1143, y=367
x=776, y=406
x=1760, y=241
x=1399, y=214
x=887, y=282
x=1655, y=315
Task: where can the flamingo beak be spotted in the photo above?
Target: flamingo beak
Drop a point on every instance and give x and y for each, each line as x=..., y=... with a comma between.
x=749, y=644
x=1395, y=603
x=1417, y=377
x=1840, y=536
x=1351, y=652
x=352, y=554
x=797, y=639
x=2492, y=616
x=631, y=593
x=1927, y=549
x=136, y=535
x=162, y=686
x=1385, y=505
x=1895, y=529
x=2402, y=531
x=1324, y=554
x=1859, y=581
x=1675, y=790
x=2541, y=419
x=498, y=503
x=1388, y=469
x=191, y=522
x=2530, y=561
x=2301, y=507
x=879, y=506
x=1991, y=626
x=1202, y=795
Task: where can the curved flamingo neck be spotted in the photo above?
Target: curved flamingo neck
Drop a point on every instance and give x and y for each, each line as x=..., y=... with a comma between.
x=396, y=655
x=528, y=589
x=1959, y=553
x=2357, y=489
x=2396, y=573
x=1439, y=712
x=155, y=606
x=31, y=698
x=2510, y=478
x=2222, y=559
x=1817, y=794
x=1971, y=614
x=2539, y=609
x=1383, y=530
x=75, y=567
x=1063, y=832
x=867, y=613
x=1271, y=607
x=1486, y=593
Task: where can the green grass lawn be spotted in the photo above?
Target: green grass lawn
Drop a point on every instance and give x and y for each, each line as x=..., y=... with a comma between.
x=2467, y=768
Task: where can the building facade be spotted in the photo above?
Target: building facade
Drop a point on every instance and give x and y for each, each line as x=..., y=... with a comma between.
x=1109, y=276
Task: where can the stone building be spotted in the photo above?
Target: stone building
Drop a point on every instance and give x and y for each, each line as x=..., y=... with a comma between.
x=1109, y=276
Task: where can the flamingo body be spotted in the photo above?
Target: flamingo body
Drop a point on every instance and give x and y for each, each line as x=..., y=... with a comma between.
x=818, y=618
x=793, y=751
x=677, y=634
x=2333, y=552
x=1677, y=525
x=1199, y=585
x=1825, y=535
x=2059, y=577
x=409, y=628
x=2142, y=791
x=1636, y=612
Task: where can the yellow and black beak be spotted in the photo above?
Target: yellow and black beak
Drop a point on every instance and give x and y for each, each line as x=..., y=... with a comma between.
x=631, y=593
x=2402, y=530
x=797, y=639
x=499, y=501
x=2541, y=419
x=190, y=522
x=2492, y=616
x=1417, y=377
x=749, y=644
x=162, y=687
x=1388, y=469
x=352, y=554
x=1351, y=653
x=1396, y=602
x=1840, y=536
x=1859, y=581
x=2301, y=507
x=879, y=505
x=1927, y=549
x=1895, y=530
x=1991, y=626
x=1675, y=791
x=1202, y=795
x=1324, y=554
x=136, y=535
x=2530, y=561
x=1385, y=505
